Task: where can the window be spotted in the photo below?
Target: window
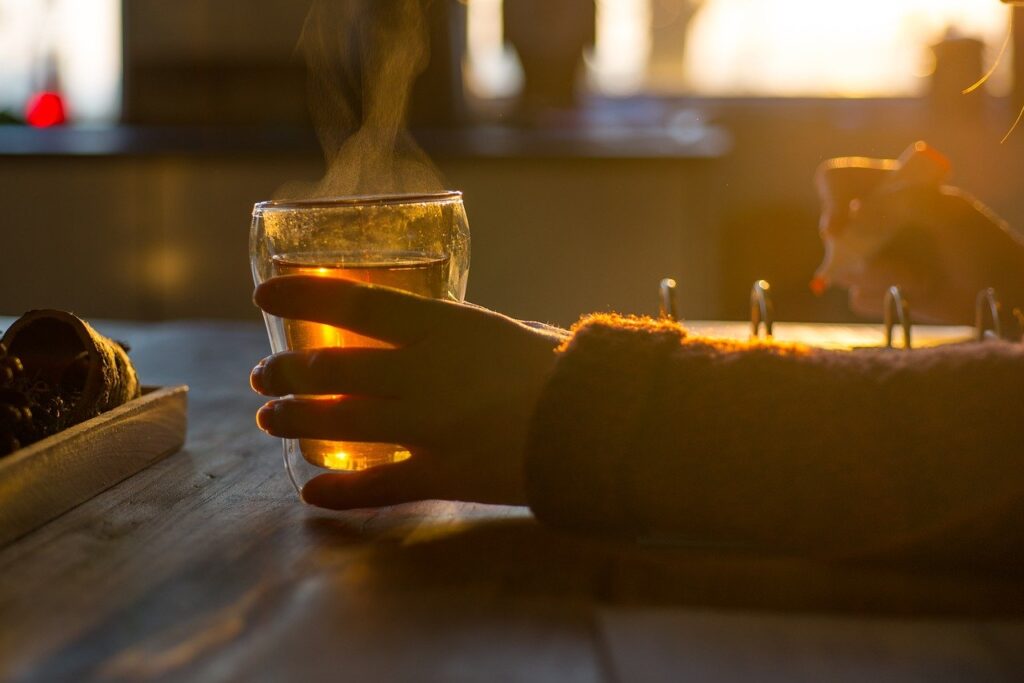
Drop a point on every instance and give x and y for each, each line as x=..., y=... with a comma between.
x=852, y=48
x=79, y=40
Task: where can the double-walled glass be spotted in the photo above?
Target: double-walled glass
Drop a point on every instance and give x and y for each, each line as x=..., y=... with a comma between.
x=417, y=243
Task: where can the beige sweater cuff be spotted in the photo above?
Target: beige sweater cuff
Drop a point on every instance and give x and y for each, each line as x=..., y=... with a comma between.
x=578, y=468
x=646, y=431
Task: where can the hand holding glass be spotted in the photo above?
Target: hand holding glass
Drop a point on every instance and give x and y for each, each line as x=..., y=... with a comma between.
x=416, y=243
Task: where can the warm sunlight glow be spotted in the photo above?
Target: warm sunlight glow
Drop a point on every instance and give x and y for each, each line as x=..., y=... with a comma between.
x=491, y=68
x=166, y=267
x=619, y=61
x=760, y=47
x=809, y=47
x=337, y=460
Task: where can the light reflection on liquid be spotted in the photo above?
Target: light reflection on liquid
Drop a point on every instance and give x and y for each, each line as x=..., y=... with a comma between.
x=343, y=460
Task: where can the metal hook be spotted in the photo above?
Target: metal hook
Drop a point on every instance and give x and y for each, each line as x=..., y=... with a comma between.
x=896, y=309
x=762, y=310
x=667, y=307
x=988, y=302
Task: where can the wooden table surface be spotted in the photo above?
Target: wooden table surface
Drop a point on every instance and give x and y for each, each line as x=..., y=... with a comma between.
x=205, y=567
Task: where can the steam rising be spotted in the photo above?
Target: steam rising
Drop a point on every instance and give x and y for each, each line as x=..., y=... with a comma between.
x=363, y=56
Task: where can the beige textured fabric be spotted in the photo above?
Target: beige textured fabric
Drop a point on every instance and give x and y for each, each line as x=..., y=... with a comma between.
x=647, y=431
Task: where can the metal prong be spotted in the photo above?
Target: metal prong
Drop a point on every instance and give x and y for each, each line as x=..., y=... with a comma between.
x=667, y=307
x=988, y=315
x=896, y=310
x=762, y=310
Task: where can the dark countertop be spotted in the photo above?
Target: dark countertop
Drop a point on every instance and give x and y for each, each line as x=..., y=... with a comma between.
x=205, y=567
x=682, y=141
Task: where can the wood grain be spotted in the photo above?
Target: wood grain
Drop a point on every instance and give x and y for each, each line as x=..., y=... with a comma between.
x=656, y=644
x=205, y=567
x=48, y=478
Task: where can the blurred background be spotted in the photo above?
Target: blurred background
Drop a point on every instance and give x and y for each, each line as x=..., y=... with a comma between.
x=601, y=145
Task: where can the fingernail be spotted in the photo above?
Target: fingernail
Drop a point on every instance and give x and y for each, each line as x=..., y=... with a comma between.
x=308, y=495
x=258, y=376
x=265, y=416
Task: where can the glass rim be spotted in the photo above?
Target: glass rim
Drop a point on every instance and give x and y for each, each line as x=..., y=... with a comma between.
x=358, y=200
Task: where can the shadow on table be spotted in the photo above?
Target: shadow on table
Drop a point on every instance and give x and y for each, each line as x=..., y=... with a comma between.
x=522, y=558
x=346, y=592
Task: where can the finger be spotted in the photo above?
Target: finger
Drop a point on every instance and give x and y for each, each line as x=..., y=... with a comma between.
x=400, y=482
x=879, y=274
x=380, y=312
x=867, y=301
x=901, y=205
x=868, y=291
x=369, y=372
x=839, y=186
x=845, y=178
x=342, y=418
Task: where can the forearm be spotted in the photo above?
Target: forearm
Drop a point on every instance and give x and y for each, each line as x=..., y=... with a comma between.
x=1009, y=289
x=981, y=251
x=645, y=433
x=1005, y=274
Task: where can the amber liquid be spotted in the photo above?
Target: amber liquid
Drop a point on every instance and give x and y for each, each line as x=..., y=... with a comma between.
x=418, y=273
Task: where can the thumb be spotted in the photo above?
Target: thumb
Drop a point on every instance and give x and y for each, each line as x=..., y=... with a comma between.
x=400, y=482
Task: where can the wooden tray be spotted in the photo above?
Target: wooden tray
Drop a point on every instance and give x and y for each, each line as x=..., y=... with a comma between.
x=48, y=478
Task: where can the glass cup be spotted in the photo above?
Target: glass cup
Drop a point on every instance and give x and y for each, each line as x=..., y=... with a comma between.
x=417, y=243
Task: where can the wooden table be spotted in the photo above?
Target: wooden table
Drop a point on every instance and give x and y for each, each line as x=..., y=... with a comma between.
x=205, y=567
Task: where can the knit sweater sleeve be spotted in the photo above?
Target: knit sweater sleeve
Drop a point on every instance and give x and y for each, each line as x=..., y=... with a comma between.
x=647, y=431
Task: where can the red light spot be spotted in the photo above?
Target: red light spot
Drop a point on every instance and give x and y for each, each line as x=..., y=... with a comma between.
x=819, y=285
x=45, y=109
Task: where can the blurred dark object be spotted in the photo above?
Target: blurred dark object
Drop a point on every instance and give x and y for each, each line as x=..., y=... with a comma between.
x=205, y=62
x=550, y=38
x=209, y=63
x=56, y=371
x=438, y=98
x=9, y=119
x=959, y=63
